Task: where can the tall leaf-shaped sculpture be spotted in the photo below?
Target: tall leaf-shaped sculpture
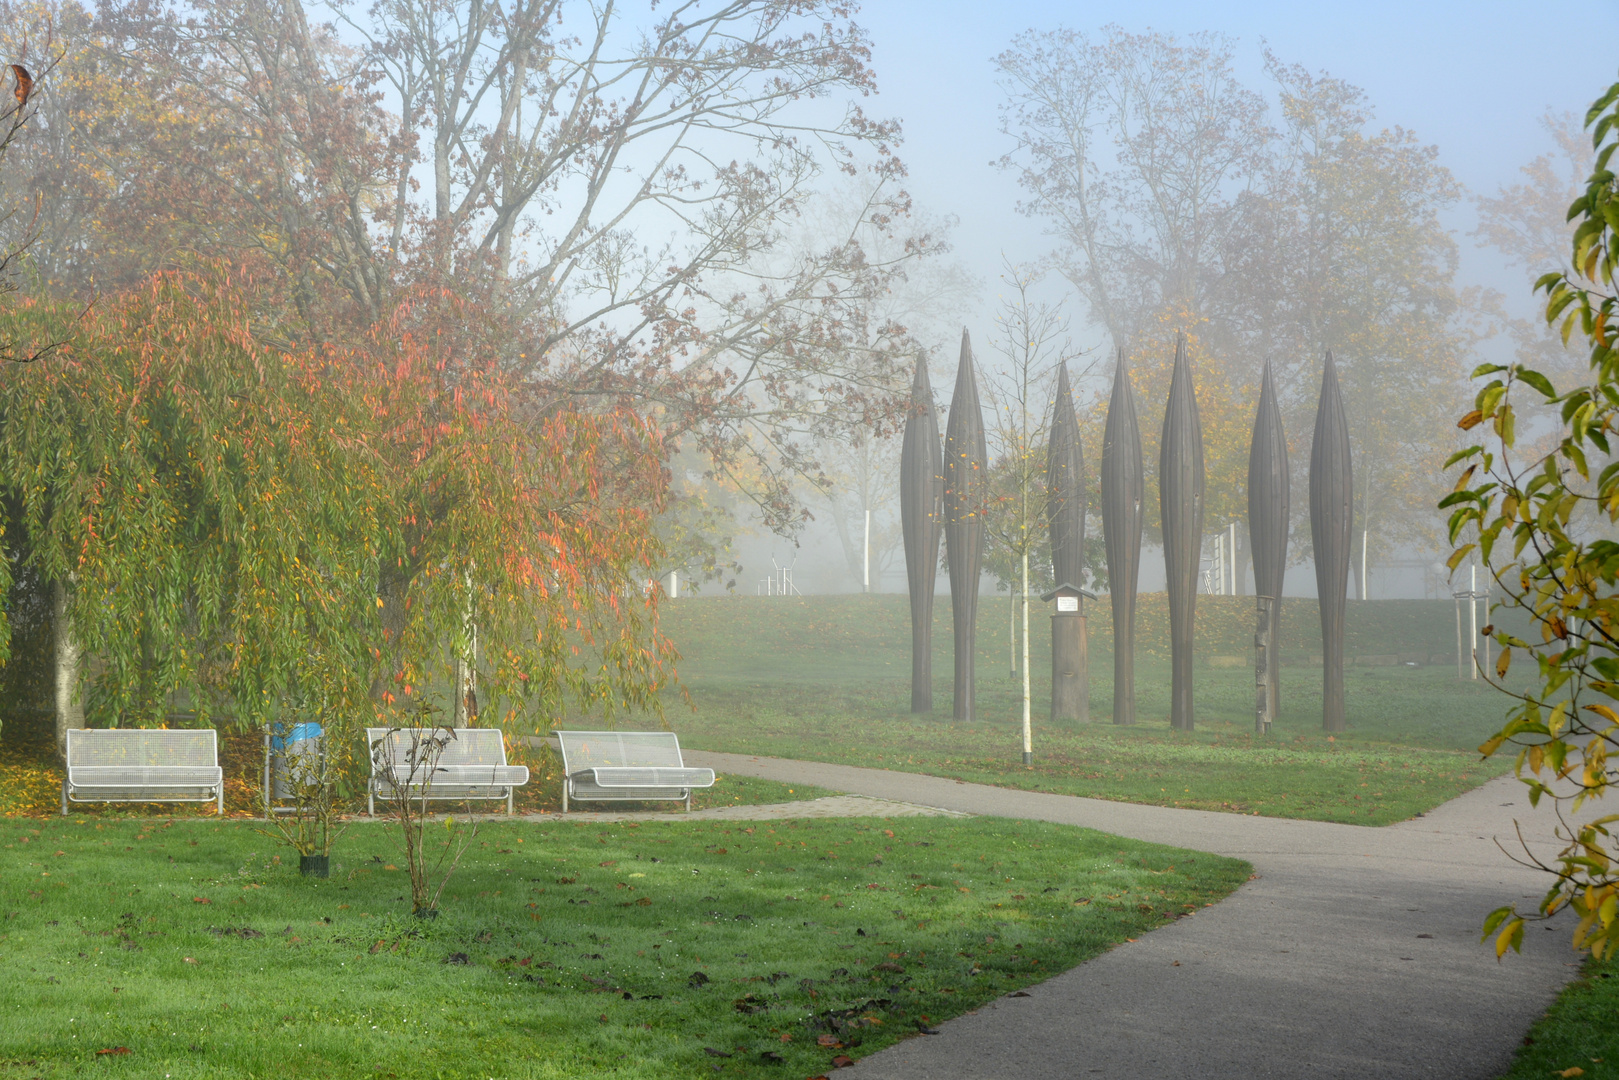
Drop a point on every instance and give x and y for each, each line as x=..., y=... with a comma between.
x=1065, y=488
x=1332, y=493
x=1123, y=487
x=1180, y=501
x=1065, y=518
x=965, y=494
x=921, y=490
x=1269, y=497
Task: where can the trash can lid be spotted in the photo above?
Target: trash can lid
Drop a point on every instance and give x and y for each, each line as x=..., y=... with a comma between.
x=299, y=733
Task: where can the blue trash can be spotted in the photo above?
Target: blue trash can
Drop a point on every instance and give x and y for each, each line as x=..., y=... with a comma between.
x=295, y=756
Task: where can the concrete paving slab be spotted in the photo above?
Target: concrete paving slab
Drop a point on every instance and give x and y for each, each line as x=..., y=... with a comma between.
x=1353, y=953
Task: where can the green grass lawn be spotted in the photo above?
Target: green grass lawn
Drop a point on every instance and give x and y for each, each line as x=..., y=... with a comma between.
x=565, y=949
x=1580, y=1031
x=828, y=679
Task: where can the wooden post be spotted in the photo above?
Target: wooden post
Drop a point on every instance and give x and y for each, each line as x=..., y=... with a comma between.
x=1264, y=664
x=965, y=488
x=1122, y=492
x=1269, y=491
x=1180, y=499
x=921, y=488
x=1331, y=501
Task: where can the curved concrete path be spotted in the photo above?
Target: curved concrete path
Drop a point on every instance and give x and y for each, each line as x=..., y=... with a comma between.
x=1354, y=952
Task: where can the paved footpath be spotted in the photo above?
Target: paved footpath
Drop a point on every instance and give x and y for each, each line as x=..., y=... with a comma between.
x=1354, y=952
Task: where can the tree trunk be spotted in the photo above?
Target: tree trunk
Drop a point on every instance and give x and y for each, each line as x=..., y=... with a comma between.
x=69, y=707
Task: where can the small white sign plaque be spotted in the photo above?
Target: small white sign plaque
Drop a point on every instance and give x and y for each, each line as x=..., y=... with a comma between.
x=1067, y=603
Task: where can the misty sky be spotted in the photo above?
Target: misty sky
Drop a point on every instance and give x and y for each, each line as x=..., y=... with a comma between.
x=1472, y=78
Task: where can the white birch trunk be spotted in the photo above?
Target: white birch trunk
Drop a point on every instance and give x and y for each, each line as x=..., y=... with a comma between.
x=1028, y=735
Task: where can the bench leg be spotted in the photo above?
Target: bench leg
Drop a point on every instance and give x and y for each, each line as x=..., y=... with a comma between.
x=64, y=798
x=509, y=796
x=564, y=795
x=371, y=802
x=221, y=800
x=688, y=800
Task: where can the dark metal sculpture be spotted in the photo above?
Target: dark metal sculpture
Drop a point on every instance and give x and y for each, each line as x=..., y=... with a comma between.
x=1180, y=501
x=1123, y=485
x=1331, y=499
x=966, y=481
x=1269, y=495
x=1065, y=488
x=1065, y=517
x=921, y=491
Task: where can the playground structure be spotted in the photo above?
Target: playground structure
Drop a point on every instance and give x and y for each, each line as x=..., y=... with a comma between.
x=780, y=581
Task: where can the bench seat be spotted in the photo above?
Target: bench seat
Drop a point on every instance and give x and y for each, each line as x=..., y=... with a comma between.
x=142, y=765
x=626, y=766
x=472, y=765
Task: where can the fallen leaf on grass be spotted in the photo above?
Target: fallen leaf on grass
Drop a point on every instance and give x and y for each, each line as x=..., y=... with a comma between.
x=842, y=1061
x=201, y=900
x=771, y=1056
x=1575, y=1071
x=125, y=1050
x=829, y=1041
x=190, y=960
x=711, y=1052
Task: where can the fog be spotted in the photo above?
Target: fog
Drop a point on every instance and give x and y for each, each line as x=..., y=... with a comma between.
x=1475, y=82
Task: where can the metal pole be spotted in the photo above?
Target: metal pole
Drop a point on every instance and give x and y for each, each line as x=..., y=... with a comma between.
x=1363, y=588
x=1232, y=531
x=1472, y=622
x=1459, y=648
x=865, y=558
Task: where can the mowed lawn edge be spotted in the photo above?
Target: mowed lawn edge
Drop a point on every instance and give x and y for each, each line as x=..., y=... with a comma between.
x=1357, y=783
x=641, y=949
x=827, y=679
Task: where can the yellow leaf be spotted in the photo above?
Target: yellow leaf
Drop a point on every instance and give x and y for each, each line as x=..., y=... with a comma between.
x=1471, y=420
x=1603, y=711
x=1572, y=1071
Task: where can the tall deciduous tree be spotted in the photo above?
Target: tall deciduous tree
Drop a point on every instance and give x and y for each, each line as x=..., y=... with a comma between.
x=1177, y=201
x=623, y=191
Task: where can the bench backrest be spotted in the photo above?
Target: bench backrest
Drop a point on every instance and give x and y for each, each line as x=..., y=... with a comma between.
x=142, y=747
x=634, y=749
x=471, y=746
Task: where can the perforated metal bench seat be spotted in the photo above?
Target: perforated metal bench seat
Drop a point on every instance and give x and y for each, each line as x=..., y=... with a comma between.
x=471, y=766
x=626, y=766
x=143, y=765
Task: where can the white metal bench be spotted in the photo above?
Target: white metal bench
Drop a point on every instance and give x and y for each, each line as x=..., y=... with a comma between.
x=472, y=765
x=626, y=766
x=143, y=765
